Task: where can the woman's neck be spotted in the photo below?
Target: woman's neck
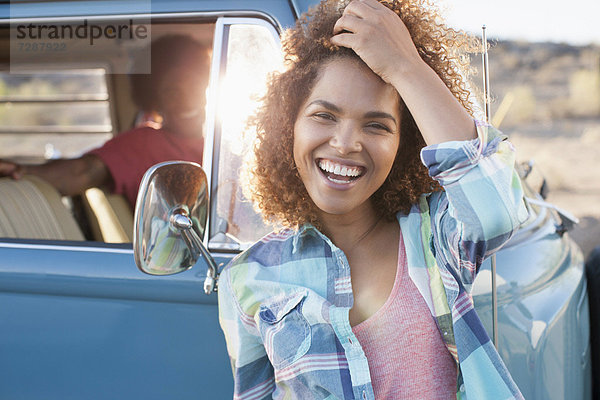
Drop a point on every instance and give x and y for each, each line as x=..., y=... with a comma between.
x=350, y=231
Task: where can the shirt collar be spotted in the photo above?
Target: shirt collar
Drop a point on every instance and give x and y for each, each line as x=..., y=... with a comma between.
x=304, y=231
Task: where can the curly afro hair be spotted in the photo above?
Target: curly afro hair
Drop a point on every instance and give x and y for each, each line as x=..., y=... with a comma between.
x=271, y=178
x=164, y=54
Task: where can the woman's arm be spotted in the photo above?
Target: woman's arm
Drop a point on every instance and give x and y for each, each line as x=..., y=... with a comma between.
x=482, y=203
x=383, y=42
x=252, y=371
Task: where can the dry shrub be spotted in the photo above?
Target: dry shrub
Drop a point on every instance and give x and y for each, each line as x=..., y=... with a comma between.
x=522, y=107
x=584, y=88
x=560, y=108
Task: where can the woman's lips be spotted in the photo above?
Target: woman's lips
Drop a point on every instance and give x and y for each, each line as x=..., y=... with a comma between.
x=338, y=172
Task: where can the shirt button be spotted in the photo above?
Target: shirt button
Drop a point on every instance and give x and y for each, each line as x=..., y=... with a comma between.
x=364, y=394
x=445, y=333
x=462, y=388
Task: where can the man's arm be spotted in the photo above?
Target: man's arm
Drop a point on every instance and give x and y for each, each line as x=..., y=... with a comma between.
x=69, y=177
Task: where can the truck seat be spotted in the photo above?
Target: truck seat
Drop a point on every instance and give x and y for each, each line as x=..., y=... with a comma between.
x=109, y=215
x=31, y=208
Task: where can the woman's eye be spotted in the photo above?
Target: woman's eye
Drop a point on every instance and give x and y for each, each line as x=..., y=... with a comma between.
x=324, y=116
x=379, y=127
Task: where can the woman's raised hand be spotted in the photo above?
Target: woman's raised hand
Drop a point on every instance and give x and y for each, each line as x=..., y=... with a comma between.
x=383, y=42
x=379, y=37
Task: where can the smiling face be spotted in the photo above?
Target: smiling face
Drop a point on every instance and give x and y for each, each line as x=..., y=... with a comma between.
x=346, y=137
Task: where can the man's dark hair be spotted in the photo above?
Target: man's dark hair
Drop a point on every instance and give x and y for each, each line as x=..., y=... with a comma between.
x=165, y=53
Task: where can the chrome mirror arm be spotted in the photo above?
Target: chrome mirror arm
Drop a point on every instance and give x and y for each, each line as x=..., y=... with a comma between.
x=181, y=221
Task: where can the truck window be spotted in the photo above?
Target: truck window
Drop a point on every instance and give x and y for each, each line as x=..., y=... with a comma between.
x=53, y=114
x=64, y=105
x=252, y=52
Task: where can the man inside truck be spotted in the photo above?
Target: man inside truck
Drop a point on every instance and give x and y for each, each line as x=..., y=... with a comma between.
x=172, y=95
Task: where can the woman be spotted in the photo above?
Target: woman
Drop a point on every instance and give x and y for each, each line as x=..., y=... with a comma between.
x=365, y=293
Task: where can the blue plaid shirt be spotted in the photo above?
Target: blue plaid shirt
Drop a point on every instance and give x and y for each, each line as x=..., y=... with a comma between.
x=284, y=303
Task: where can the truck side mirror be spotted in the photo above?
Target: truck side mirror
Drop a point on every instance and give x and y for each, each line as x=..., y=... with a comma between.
x=170, y=219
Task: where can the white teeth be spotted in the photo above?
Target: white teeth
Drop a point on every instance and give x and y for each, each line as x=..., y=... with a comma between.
x=339, y=169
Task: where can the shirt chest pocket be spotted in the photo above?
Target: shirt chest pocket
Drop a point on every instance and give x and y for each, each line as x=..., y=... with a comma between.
x=284, y=330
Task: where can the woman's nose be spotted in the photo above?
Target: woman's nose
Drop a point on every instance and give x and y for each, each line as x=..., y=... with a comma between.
x=346, y=139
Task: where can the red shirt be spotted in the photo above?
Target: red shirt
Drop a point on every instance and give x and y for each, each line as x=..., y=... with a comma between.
x=129, y=155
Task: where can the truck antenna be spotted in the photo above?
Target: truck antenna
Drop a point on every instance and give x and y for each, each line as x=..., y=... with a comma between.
x=488, y=118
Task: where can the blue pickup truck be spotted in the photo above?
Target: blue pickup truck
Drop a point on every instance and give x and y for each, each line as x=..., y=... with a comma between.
x=78, y=320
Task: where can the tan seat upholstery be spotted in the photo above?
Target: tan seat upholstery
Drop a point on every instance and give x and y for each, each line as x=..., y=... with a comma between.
x=109, y=215
x=31, y=208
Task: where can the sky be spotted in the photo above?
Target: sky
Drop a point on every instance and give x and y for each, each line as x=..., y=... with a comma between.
x=572, y=21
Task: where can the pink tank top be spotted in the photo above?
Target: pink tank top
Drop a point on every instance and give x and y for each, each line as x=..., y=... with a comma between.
x=405, y=351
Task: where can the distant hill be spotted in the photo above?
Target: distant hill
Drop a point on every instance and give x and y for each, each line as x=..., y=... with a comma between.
x=548, y=80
